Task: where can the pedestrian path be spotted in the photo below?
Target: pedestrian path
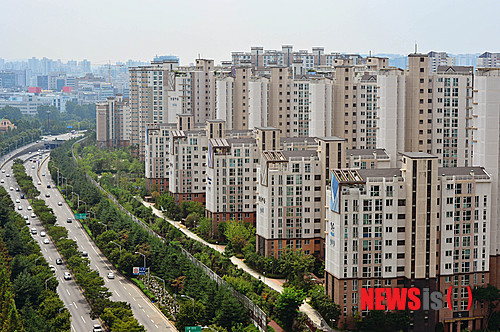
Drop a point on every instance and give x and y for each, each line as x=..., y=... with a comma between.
x=276, y=284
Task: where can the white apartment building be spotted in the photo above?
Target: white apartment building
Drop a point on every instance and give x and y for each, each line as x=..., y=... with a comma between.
x=375, y=239
x=113, y=122
x=289, y=203
x=231, y=179
x=486, y=149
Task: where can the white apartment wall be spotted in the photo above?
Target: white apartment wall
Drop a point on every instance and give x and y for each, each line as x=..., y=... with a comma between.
x=224, y=100
x=390, y=135
x=486, y=148
x=258, y=103
x=321, y=108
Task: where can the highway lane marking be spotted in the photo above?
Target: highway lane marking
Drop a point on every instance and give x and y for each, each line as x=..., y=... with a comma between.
x=83, y=319
x=143, y=310
x=152, y=321
x=45, y=249
x=67, y=291
x=73, y=328
x=148, y=316
x=129, y=293
x=117, y=293
x=156, y=326
x=75, y=305
x=50, y=258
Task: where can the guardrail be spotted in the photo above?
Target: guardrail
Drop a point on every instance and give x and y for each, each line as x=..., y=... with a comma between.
x=257, y=315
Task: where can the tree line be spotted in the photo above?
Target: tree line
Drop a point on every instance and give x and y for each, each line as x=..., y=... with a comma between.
x=117, y=316
x=28, y=298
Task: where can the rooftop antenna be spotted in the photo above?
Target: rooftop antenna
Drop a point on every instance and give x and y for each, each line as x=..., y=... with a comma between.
x=370, y=53
x=415, y=47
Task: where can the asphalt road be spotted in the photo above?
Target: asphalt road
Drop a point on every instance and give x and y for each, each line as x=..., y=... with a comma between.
x=122, y=289
x=68, y=291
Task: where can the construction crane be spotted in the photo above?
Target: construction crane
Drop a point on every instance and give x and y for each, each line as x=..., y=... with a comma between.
x=109, y=65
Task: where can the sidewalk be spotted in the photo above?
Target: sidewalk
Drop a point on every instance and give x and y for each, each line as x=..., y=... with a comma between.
x=275, y=284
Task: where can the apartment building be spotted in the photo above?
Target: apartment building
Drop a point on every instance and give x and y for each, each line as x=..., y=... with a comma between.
x=187, y=164
x=113, y=122
x=231, y=179
x=486, y=149
x=437, y=59
x=148, y=98
x=415, y=226
x=355, y=107
x=367, y=159
x=289, y=203
x=156, y=157
x=162, y=90
x=488, y=60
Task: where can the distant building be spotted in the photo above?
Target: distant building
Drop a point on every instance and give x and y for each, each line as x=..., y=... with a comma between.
x=488, y=60
x=7, y=79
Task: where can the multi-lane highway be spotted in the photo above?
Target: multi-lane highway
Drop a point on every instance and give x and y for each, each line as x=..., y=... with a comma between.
x=68, y=291
x=122, y=289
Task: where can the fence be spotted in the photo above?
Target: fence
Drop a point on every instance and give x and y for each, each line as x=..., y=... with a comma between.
x=257, y=315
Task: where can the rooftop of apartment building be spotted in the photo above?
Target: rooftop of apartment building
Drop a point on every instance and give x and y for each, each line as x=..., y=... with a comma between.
x=331, y=139
x=380, y=153
x=455, y=69
x=418, y=155
x=476, y=170
x=300, y=154
x=240, y=140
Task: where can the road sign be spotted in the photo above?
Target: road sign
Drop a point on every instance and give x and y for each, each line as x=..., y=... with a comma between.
x=138, y=271
x=80, y=215
x=193, y=329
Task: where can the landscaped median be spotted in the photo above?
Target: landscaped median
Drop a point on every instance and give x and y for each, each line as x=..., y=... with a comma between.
x=116, y=315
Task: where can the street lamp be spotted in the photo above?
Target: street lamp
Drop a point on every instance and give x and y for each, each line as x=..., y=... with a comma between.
x=48, y=280
x=37, y=259
x=104, y=225
x=78, y=200
x=142, y=256
x=64, y=308
x=57, y=174
x=118, y=246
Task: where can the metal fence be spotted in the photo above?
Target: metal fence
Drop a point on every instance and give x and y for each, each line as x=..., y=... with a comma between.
x=257, y=315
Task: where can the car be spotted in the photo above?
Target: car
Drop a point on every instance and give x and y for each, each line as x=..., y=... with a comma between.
x=39, y=183
x=33, y=215
x=59, y=203
x=29, y=207
x=11, y=188
x=29, y=152
x=22, y=196
x=25, y=217
x=69, y=221
x=97, y=328
x=42, y=234
x=28, y=222
x=33, y=231
x=17, y=189
x=111, y=275
x=37, y=141
x=52, y=268
x=2, y=181
x=85, y=254
x=59, y=261
x=19, y=207
x=46, y=241
x=48, y=186
x=7, y=175
x=43, y=174
x=18, y=200
x=47, y=195
x=33, y=167
x=3, y=171
x=67, y=276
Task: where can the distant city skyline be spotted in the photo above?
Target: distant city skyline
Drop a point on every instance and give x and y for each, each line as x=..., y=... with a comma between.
x=114, y=30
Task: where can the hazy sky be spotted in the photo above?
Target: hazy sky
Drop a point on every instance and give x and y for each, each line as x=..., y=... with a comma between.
x=119, y=30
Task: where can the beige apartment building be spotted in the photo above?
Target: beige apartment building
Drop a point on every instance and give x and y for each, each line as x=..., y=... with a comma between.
x=113, y=122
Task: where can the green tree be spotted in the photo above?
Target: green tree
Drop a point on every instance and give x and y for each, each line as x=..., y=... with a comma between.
x=325, y=306
x=238, y=233
x=287, y=305
x=189, y=314
x=487, y=295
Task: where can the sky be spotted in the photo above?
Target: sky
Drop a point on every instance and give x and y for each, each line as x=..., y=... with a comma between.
x=102, y=30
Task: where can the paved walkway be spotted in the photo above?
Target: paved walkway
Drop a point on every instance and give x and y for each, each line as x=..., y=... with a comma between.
x=276, y=284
